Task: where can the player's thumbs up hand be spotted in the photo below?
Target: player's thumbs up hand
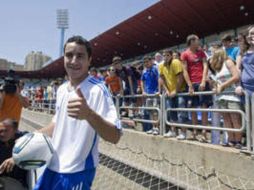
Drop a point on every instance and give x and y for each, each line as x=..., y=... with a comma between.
x=77, y=107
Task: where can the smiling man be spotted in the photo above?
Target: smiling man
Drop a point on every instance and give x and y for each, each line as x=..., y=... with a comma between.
x=84, y=111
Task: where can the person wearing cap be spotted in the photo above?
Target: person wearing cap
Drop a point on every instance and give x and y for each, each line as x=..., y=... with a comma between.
x=126, y=74
x=231, y=50
x=8, y=135
x=158, y=59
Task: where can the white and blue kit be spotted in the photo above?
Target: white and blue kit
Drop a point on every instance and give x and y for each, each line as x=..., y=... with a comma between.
x=75, y=141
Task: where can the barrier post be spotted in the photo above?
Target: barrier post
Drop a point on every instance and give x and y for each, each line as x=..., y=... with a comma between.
x=247, y=112
x=117, y=105
x=162, y=115
x=252, y=124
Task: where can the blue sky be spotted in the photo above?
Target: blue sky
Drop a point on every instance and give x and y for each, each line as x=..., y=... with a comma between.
x=30, y=25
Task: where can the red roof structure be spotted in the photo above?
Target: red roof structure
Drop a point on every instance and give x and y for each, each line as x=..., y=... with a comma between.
x=165, y=24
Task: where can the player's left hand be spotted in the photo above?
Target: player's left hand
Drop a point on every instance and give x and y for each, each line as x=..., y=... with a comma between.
x=78, y=108
x=7, y=166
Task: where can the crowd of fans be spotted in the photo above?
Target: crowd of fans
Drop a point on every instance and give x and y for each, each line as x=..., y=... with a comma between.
x=226, y=68
x=222, y=67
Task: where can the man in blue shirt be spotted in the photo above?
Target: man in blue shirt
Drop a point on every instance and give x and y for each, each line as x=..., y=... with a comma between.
x=232, y=51
x=149, y=85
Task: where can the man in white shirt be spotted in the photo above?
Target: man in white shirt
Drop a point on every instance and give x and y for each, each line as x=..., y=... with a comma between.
x=84, y=111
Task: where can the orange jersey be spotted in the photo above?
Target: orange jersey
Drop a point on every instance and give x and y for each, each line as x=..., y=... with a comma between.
x=11, y=108
x=114, y=83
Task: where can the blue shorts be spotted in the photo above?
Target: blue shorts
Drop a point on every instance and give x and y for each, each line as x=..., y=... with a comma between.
x=51, y=180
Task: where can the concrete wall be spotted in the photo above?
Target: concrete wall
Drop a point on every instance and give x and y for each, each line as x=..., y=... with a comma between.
x=186, y=163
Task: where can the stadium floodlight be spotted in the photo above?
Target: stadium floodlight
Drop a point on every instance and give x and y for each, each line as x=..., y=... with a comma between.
x=62, y=24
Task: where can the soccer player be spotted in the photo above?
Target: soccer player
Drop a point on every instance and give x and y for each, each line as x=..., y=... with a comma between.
x=84, y=111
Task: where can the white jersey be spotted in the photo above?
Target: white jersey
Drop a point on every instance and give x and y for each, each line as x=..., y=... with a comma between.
x=75, y=141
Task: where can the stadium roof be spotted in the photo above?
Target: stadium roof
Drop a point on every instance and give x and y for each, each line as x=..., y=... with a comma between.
x=52, y=70
x=167, y=23
x=164, y=24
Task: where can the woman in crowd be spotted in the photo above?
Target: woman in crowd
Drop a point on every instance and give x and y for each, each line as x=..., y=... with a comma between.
x=226, y=76
x=244, y=46
x=247, y=66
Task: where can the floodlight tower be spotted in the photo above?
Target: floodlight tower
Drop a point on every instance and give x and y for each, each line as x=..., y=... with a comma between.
x=62, y=24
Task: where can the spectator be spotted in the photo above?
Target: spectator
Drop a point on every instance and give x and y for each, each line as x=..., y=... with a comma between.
x=8, y=135
x=171, y=76
x=114, y=83
x=243, y=45
x=94, y=72
x=149, y=85
x=104, y=74
x=140, y=69
x=11, y=104
x=195, y=73
x=176, y=55
x=247, y=66
x=127, y=78
x=230, y=48
x=158, y=59
x=226, y=76
x=45, y=97
x=39, y=97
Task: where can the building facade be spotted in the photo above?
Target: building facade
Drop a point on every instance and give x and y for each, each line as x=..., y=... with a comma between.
x=6, y=65
x=35, y=60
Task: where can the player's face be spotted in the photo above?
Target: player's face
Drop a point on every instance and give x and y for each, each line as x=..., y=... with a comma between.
x=76, y=62
x=6, y=133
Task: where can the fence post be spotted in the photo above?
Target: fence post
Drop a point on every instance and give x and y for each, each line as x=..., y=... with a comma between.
x=251, y=121
x=247, y=112
x=117, y=105
x=163, y=115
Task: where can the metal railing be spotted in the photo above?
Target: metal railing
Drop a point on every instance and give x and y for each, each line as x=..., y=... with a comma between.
x=245, y=117
x=162, y=119
x=43, y=105
x=158, y=109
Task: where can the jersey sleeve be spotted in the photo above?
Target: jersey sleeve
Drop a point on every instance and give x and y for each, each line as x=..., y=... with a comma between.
x=160, y=69
x=106, y=108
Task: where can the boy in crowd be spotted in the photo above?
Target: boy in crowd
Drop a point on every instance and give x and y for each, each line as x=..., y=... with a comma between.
x=195, y=70
x=149, y=85
x=171, y=77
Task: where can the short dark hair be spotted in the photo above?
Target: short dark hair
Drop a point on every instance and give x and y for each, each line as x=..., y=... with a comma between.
x=168, y=51
x=191, y=38
x=93, y=69
x=147, y=57
x=10, y=122
x=226, y=38
x=81, y=41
